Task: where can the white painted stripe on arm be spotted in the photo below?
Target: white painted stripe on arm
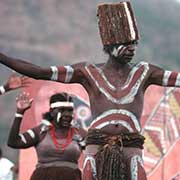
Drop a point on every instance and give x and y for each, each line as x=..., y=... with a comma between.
x=31, y=133
x=69, y=73
x=177, y=80
x=23, y=139
x=54, y=76
x=166, y=77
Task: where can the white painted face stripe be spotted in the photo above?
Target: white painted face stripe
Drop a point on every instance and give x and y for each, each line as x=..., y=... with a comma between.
x=115, y=122
x=93, y=164
x=62, y=104
x=131, y=26
x=23, y=139
x=166, y=77
x=134, y=166
x=175, y=130
x=177, y=84
x=54, y=76
x=31, y=133
x=119, y=111
x=69, y=73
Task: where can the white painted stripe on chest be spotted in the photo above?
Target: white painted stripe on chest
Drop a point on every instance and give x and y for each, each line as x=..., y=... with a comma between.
x=115, y=122
x=129, y=98
x=119, y=111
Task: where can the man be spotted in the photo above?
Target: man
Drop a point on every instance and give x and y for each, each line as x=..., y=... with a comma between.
x=116, y=90
x=14, y=82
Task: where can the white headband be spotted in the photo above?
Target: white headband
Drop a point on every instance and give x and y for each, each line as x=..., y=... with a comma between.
x=62, y=104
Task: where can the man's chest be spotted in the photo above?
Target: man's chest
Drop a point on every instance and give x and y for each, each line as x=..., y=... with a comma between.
x=118, y=87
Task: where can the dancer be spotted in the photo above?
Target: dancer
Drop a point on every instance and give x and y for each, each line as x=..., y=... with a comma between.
x=58, y=145
x=116, y=89
x=14, y=82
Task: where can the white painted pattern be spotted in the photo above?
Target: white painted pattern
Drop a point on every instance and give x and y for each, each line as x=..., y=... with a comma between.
x=23, y=139
x=31, y=133
x=134, y=166
x=119, y=111
x=69, y=73
x=166, y=77
x=93, y=165
x=129, y=98
x=54, y=76
x=177, y=84
x=114, y=122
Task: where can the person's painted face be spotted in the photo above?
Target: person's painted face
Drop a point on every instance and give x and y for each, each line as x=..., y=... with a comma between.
x=62, y=116
x=124, y=53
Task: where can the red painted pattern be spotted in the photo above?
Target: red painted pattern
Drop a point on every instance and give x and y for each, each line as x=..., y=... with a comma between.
x=115, y=93
x=172, y=79
x=62, y=74
x=115, y=117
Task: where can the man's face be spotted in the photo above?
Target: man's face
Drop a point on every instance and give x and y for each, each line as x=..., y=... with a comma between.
x=124, y=53
x=62, y=116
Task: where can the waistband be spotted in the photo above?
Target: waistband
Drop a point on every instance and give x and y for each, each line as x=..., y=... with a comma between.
x=97, y=137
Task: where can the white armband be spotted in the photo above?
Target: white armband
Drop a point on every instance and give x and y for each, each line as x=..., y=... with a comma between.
x=54, y=76
x=69, y=73
x=2, y=89
x=18, y=115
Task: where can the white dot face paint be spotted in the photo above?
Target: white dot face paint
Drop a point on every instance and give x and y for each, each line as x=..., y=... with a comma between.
x=58, y=117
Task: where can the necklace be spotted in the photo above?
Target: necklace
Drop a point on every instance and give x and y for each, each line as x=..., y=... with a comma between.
x=55, y=138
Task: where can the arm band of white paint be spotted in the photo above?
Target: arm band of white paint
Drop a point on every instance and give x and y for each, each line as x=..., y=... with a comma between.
x=54, y=70
x=2, y=89
x=18, y=115
x=69, y=73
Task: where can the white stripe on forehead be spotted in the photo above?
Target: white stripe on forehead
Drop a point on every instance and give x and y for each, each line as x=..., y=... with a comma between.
x=131, y=27
x=62, y=104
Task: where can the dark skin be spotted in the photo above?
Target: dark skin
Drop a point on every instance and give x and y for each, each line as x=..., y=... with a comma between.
x=116, y=70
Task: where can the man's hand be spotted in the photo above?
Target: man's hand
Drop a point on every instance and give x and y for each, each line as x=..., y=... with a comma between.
x=15, y=82
x=23, y=102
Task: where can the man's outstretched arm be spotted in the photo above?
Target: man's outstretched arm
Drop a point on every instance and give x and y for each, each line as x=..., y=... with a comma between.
x=163, y=77
x=65, y=74
x=26, y=68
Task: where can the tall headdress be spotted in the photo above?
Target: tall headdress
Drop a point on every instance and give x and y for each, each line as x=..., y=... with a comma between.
x=117, y=23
